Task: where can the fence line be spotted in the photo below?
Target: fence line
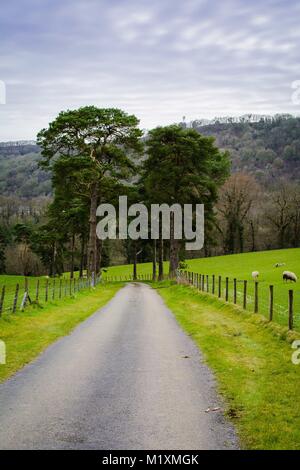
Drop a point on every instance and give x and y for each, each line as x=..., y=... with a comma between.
x=256, y=302
x=37, y=291
x=18, y=297
x=250, y=297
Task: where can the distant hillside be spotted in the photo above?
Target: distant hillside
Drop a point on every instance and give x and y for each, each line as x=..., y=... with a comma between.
x=268, y=149
x=19, y=172
x=264, y=146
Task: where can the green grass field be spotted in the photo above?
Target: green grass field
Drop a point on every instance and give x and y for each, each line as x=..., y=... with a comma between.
x=127, y=270
x=233, y=266
x=240, y=267
x=252, y=363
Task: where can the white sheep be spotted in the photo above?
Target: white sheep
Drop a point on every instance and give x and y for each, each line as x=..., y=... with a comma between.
x=277, y=265
x=289, y=276
x=255, y=275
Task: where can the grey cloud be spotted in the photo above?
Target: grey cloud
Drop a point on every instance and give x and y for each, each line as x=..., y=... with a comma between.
x=158, y=59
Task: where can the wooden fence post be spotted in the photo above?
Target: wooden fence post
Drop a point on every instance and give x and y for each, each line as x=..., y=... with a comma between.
x=37, y=291
x=207, y=283
x=46, y=290
x=60, y=288
x=271, y=302
x=245, y=296
x=15, y=302
x=53, y=290
x=226, y=289
x=256, y=297
x=202, y=287
x=220, y=286
x=2, y=300
x=291, y=309
x=234, y=291
x=213, y=285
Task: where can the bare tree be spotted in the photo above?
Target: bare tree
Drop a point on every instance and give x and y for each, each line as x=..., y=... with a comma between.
x=236, y=198
x=280, y=213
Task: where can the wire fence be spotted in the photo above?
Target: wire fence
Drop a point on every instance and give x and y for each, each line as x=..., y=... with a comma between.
x=250, y=295
x=41, y=290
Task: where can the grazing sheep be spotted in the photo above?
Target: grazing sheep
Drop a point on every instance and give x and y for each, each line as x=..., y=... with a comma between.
x=289, y=276
x=255, y=275
x=278, y=265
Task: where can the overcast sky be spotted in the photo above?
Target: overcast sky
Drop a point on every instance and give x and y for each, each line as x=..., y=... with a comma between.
x=158, y=59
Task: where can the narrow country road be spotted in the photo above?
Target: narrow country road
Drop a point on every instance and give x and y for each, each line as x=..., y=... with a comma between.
x=126, y=378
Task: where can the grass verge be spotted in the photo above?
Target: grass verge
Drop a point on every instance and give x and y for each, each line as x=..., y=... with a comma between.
x=26, y=334
x=252, y=364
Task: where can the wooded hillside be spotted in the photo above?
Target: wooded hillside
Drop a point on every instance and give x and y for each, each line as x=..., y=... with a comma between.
x=266, y=150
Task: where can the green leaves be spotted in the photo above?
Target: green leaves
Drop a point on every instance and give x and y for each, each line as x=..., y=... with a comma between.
x=91, y=132
x=183, y=166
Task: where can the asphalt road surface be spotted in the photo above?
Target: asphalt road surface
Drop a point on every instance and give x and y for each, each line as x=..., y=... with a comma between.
x=126, y=378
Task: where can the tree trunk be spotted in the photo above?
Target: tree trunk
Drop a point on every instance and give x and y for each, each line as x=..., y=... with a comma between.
x=99, y=255
x=160, y=257
x=154, y=261
x=253, y=241
x=92, y=244
x=82, y=255
x=281, y=238
x=174, y=250
x=72, y=257
x=241, y=237
x=52, y=264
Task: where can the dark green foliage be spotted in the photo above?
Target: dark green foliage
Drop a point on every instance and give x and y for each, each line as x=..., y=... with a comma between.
x=182, y=167
x=90, y=152
x=22, y=233
x=48, y=244
x=4, y=240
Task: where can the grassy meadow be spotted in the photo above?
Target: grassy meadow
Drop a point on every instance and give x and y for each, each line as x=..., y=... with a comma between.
x=252, y=364
x=240, y=266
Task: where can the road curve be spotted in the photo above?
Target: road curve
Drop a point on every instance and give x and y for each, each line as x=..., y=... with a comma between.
x=126, y=378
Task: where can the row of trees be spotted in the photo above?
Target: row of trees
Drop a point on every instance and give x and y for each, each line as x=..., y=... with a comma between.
x=94, y=155
x=251, y=218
